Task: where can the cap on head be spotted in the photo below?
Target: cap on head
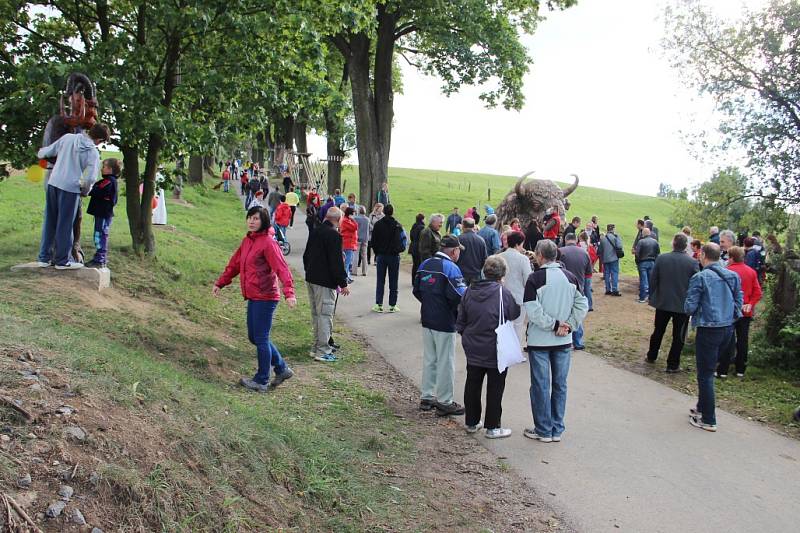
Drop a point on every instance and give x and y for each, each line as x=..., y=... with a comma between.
x=450, y=241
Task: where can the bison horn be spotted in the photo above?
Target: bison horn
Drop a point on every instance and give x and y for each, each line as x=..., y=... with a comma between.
x=569, y=190
x=518, y=186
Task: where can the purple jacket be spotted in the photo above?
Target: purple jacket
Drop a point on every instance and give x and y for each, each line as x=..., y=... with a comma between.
x=478, y=317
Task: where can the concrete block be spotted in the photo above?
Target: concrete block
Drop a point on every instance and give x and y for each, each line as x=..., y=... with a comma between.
x=97, y=278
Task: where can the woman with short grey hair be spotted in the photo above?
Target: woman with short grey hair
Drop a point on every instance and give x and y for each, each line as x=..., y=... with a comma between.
x=478, y=317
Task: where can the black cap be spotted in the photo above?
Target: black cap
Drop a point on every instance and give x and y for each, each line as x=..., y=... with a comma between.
x=451, y=241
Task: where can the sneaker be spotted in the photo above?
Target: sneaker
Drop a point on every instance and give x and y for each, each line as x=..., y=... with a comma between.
x=650, y=361
x=531, y=434
x=377, y=308
x=283, y=376
x=498, y=433
x=721, y=376
x=642, y=300
x=672, y=370
x=333, y=345
x=252, y=385
x=582, y=347
x=426, y=405
x=326, y=358
x=697, y=422
x=473, y=429
x=556, y=438
x=694, y=412
x=94, y=264
x=608, y=293
x=69, y=266
x=616, y=293
x=739, y=375
x=393, y=309
x=447, y=409
x=43, y=264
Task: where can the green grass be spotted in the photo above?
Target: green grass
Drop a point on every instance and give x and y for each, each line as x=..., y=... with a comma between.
x=304, y=454
x=430, y=191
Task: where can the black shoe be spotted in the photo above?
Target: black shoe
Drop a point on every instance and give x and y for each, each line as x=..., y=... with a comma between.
x=333, y=344
x=426, y=405
x=94, y=264
x=616, y=293
x=609, y=293
x=672, y=370
x=447, y=409
x=648, y=360
x=579, y=347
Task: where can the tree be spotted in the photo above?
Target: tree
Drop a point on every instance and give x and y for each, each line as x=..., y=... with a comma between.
x=472, y=42
x=750, y=70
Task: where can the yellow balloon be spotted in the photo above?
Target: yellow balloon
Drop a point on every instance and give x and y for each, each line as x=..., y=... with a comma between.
x=35, y=173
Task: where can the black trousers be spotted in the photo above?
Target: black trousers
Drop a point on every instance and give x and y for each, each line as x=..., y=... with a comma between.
x=291, y=221
x=414, y=265
x=736, y=347
x=679, y=323
x=495, y=385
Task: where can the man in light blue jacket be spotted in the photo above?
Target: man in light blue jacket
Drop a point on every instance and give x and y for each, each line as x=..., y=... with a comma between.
x=714, y=300
x=77, y=158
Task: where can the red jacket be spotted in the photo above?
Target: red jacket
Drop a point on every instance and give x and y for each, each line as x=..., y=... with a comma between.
x=750, y=286
x=313, y=198
x=259, y=264
x=283, y=214
x=349, y=230
x=226, y=175
x=553, y=232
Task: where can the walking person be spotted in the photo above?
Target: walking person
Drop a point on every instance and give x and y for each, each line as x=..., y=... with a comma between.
x=610, y=251
x=325, y=274
x=714, y=300
x=555, y=308
x=260, y=266
x=518, y=269
x=413, y=247
x=453, y=220
x=293, y=200
x=440, y=294
x=577, y=261
x=374, y=216
x=751, y=293
x=473, y=254
x=669, y=282
x=429, y=238
x=363, y=240
x=646, y=250
x=478, y=317
x=387, y=241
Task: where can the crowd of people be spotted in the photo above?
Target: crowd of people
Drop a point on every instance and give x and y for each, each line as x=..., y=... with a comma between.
x=470, y=279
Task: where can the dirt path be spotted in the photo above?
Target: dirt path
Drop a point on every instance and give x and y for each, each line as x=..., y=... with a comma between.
x=629, y=459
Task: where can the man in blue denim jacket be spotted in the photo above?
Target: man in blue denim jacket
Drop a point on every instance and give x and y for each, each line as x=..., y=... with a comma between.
x=714, y=300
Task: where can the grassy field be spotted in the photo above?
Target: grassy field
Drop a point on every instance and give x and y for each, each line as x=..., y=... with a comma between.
x=430, y=191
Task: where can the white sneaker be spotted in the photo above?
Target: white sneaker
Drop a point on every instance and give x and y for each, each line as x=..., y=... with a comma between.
x=69, y=266
x=473, y=429
x=556, y=438
x=531, y=434
x=498, y=433
x=42, y=264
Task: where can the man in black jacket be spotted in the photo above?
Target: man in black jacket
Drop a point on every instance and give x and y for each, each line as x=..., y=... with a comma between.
x=387, y=242
x=669, y=282
x=474, y=252
x=324, y=266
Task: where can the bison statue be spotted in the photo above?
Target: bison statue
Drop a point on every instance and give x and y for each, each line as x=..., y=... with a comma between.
x=531, y=198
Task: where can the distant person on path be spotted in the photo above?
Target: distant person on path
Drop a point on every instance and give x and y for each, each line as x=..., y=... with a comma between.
x=287, y=182
x=555, y=308
x=453, y=220
x=325, y=274
x=518, y=269
x=478, y=317
x=713, y=234
x=283, y=216
x=413, y=247
x=714, y=301
x=260, y=265
x=430, y=239
x=439, y=286
x=387, y=241
x=338, y=199
x=583, y=242
x=273, y=199
x=647, y=250
x=292, y=200
x=608, y=251
x=669, y=282
x=363, y=240
x=313, y=198
x=349, y=231
x=312, y=217
x=323, y=210
x=383, y=194
x=751, y=291
x=473, y=253
x=374, y=217
x=103, y=198
x=490, y=235
x=76, y=155
x=226, y=179
x=577, y=261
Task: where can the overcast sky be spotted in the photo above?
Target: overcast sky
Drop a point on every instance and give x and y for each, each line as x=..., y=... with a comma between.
x=601, y=102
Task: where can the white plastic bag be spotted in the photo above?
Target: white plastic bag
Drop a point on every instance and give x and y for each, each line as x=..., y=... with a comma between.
x=509, y=352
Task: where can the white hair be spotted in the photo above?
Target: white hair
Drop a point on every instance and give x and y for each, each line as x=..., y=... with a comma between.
x=437, y=216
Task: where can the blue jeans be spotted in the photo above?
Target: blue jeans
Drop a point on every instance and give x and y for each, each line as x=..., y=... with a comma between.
x=392, y=264
x=102, y=227
x=60, y=208
x=348, y=261
x=587, y=291
x=577, y=337
x=259, y=324
x=645, y=267
x=611, y=271
x=549, y=367
x=225, y=185
x=709, y=344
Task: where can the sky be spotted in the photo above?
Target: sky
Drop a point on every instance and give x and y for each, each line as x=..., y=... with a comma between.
x=601, y=102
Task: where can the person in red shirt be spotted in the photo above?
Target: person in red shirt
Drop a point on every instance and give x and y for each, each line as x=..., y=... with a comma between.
x=226, y=176
x=584, y=242
x=283, y=215
x=552, y=224
x=260, y=265
x=244, y=183
x=348, y=228
x=313, y=198
x=752, y=295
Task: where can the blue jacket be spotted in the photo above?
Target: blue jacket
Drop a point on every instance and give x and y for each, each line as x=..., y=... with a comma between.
x=714, y=301
x=492, y=239
x=439, y=285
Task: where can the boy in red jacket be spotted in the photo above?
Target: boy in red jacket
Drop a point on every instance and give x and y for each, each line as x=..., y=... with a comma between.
x=283, y=215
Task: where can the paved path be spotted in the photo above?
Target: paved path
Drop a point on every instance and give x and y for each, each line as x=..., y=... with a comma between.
x=629, y=460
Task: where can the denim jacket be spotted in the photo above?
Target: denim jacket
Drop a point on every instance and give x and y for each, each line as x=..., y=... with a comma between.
x=714, y=301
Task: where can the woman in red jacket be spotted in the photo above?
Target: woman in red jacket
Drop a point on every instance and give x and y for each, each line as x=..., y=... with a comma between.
x=349, y=230
x=259, y=264
x=752, y=295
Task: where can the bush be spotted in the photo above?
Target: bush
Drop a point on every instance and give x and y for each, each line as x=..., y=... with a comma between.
x=778, y=342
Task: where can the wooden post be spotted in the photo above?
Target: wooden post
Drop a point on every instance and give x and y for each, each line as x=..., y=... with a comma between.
x=489, y=194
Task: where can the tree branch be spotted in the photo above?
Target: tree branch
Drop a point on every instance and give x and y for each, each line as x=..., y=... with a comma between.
x=405, y=29
x=75, y=54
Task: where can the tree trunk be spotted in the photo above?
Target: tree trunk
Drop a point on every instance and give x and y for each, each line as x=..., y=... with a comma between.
x=195, y=169
x=130, y=171
x=208, y=164
x=335, y=153
x=146, y=237
x=177, y=190
x=301, y=140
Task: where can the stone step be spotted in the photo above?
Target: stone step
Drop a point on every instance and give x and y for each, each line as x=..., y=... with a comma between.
x=96, y=278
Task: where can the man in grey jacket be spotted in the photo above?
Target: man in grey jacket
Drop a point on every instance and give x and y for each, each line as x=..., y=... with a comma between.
x=474, y=253
x=669, y=282
x=646, y=250
x=607, y=251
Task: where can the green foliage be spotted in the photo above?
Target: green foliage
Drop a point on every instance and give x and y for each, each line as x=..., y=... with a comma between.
x=778, y=343
x=724, y=201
